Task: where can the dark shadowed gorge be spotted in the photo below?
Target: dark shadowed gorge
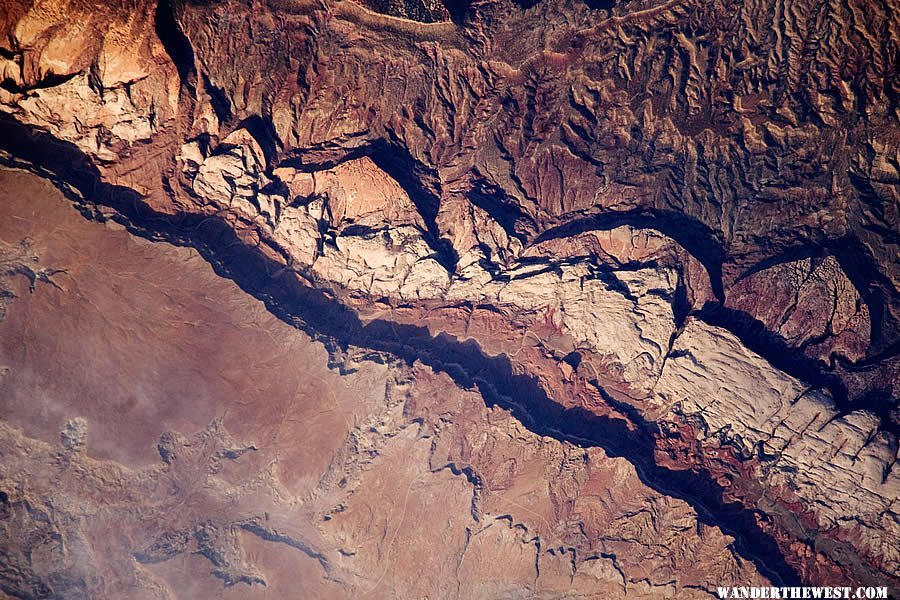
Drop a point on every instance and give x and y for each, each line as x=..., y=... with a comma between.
x=449, y=300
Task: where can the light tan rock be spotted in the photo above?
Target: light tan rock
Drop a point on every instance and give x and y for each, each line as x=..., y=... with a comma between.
x=840, y=465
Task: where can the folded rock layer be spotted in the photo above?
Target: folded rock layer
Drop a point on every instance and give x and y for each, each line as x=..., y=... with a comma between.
x=649, y=249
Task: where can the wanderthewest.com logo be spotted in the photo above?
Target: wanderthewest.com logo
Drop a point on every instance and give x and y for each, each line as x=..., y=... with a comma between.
x=788, y=593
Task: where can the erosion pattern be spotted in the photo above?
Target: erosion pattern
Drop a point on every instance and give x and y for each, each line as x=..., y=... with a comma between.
x=662, y=234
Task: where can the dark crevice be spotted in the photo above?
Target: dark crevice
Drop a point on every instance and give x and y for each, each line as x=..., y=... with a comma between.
x=326, y=319
x=410, y=174
x=681, y=305
x=525, y=4
x=415, y=10
x=694, y=236
x=789, y=255
x=755, y=336
x=357, y=230
x=877, y=291
x=492, y=200
x=458, y=9
x=176, y=44
x=219, y=99
x=601, y=4
x=49, y=81
x=263, y=131
x=338, y=155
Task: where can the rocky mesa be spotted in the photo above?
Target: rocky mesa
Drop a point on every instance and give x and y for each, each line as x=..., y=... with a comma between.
x=489, y=298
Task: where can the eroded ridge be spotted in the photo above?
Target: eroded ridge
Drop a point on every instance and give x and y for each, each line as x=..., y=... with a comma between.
x=307, y=482
x=629, y=226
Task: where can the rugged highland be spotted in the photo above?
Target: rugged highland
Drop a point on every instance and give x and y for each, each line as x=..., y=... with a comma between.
x=600, y=298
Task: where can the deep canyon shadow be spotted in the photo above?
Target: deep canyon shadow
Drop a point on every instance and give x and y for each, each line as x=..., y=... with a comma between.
x=326, y=319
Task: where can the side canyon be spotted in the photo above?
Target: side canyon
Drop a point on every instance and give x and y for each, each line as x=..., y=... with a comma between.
x=460, y=299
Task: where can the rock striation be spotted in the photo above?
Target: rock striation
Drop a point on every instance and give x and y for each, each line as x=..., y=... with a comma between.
x=657, y=235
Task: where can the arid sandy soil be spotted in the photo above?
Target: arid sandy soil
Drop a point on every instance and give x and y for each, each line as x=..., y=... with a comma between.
x=448, y=298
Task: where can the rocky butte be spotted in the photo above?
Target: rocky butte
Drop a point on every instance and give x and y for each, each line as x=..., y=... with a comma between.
x=460, y=299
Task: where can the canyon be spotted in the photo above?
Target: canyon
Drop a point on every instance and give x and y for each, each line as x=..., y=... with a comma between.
x=450, y=300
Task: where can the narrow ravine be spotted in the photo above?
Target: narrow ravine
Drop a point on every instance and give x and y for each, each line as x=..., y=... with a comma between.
x=325, y=318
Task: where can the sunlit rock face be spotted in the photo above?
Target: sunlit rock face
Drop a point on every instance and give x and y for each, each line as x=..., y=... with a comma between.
x=410, y=299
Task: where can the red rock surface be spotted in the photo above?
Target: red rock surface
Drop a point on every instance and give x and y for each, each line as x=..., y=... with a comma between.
x=626, y=274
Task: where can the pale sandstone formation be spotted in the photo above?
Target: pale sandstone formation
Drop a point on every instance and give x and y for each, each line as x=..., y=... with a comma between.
x=233, y=177
x=102, y=492
x=839, y=465
x=624, y=316
x=101, y=93
x=609, y=200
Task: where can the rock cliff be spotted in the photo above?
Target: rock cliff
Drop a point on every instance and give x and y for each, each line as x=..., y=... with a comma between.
x=641, y=256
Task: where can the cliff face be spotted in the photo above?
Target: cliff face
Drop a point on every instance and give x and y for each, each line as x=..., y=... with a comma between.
x=659, y=237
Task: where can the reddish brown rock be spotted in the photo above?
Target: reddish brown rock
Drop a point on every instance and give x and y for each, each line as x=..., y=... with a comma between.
x=664, y=232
